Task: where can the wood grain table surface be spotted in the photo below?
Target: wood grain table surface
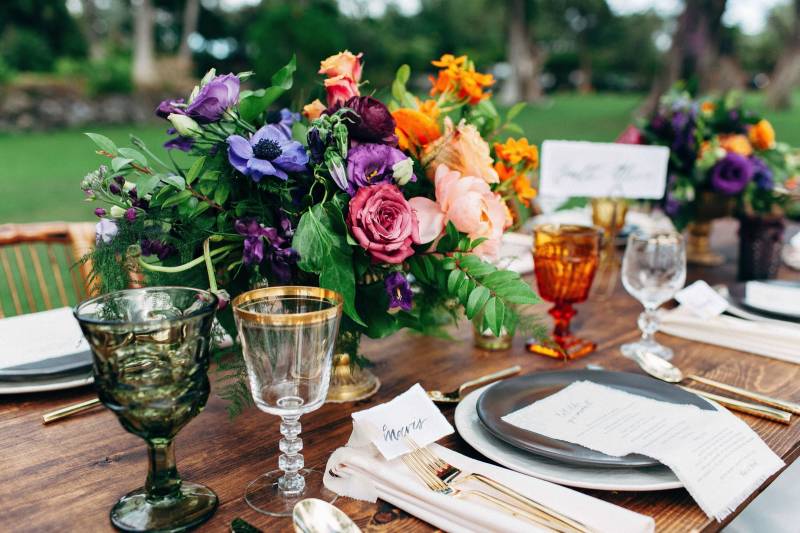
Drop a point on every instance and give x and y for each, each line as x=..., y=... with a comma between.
x=66, y=476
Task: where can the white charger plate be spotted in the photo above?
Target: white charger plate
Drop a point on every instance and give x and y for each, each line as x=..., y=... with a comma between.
x=64, y=382
x=628, y=479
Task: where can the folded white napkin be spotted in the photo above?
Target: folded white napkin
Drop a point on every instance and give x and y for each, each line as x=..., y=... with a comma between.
x=39, y=336
x=770, y=339
x=516, y=253
x=791, y=252
x=362, y=473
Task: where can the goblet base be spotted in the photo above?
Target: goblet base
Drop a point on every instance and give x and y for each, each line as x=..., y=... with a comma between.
x=264, y=496
x=566, y=348
x=630, y=349
x=193, y=505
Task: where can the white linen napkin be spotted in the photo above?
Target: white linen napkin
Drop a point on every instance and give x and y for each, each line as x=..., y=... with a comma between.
x=769, y=339
x=35, y=337
x=516, y=253
x=791, y=252
x=360, y=472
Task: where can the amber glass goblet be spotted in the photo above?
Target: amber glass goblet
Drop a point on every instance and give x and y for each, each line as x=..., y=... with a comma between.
x=150, y=350
x=565, y=259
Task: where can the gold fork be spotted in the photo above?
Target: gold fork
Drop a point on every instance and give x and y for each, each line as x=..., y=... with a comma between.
x=449, y=475
x=437, y=485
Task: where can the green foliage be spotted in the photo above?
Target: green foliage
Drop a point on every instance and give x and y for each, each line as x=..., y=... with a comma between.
x=231, y=379
x=111, y=75
x=253, y=103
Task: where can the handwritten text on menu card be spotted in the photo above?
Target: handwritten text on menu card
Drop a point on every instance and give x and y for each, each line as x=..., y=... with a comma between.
x=411, y=415
x=577, y=168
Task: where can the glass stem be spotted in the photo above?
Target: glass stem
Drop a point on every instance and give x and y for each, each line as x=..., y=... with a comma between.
x=648, y=324
x=292, y=482
x=162, y=478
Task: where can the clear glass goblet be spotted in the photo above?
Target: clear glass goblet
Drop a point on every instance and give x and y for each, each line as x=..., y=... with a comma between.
x=288, y=335
x=653, y=270
x=150, y=350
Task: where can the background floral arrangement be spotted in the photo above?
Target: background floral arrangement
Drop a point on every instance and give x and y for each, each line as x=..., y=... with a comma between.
x=718, y=145
x=399, y=207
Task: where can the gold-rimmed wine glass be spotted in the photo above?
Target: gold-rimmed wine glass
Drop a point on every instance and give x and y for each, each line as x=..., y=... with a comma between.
x=288, y=335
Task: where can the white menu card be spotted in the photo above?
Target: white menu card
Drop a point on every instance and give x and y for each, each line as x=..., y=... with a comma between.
x=579, y=168
x=719, y=459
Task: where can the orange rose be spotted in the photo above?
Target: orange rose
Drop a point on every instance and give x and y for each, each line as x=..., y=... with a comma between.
x=762, y=135
x=462, y=149
x=738, y=144
x=342, y=64
x=414, y=129
x=313, y=110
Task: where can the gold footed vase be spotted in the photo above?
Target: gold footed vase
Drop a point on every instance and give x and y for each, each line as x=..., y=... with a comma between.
x=349, y=381
x=698, y=245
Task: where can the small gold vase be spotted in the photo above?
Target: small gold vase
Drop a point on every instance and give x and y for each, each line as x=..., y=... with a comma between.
x=349, y=381
x=609, y=215
x=698, y=245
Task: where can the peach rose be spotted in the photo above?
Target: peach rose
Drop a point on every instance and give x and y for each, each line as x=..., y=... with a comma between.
x=313, y=110
x=462, y=149
x=340, y=89
x=467, y=202
x=342, y=64
x=762, y=135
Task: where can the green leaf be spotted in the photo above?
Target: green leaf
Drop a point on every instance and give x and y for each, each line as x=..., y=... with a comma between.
x=135, y=155
x=499, y=277
x=145, y=184
x=514, y=128
x=254, y=103
x=119, y=163
x=201, y=208
x=494, y=314
x=103, y=142
x=372, y=303
x=464, y=289
x=518, y=292
x=194, y=170
x=515, y=110
x=176, y=181
x=454, y=281
x=221, y=193
x=477, y=299
x=210, y=176
x=403, y=74
x=176, y=199
x=283, y=78
x=337, y=274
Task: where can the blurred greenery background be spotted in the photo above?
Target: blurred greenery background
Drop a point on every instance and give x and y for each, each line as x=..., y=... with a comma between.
x=587, y=67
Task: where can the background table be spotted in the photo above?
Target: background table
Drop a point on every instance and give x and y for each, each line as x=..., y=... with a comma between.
x=66, y=476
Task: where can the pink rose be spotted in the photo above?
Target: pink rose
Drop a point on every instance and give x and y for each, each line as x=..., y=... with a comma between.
x=342, y=64
x=340, y=89
x=383, y=223
x=631, y=135
x=469, y=204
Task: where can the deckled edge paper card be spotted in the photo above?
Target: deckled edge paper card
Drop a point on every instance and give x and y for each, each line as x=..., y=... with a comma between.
x=717, y=456
x=579, y=168
x=702, y=300
x=410, y=415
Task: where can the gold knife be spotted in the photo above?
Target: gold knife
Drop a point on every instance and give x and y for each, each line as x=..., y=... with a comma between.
x=762, y=398
x=761, y=411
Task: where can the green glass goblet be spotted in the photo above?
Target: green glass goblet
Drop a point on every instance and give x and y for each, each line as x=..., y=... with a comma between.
x=150, y=351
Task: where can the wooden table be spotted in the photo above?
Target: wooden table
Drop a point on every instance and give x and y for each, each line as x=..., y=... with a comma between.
x=66, y=476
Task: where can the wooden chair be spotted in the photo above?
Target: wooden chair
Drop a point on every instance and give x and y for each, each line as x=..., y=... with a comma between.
x=39, y=267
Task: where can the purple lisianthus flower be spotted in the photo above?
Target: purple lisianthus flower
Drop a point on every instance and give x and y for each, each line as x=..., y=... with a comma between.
x=253, y=232
x=399, y=291
x=283, y=119
x=156, y=247
x=368, y=164
x=316, y=145
x=268, y=153
x=762, y=174
x=130, y=214
x=214, y=98
x=272, y=243
x=179, y=142
x=100, y=212
x=731, y=174
x=168, y=107
x=370, y=121
x=105, y=231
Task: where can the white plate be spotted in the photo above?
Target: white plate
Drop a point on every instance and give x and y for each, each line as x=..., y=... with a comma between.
x=628, y=479
x=67, y=382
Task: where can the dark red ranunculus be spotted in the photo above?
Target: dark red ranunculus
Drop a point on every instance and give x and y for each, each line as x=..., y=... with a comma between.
x=372, y=123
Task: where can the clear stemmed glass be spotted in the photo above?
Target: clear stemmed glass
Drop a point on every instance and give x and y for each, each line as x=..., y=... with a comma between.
x=150, y=350
x=287, y=336
x=653, y=270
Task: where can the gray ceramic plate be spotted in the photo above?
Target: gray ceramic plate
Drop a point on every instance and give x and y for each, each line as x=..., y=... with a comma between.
x=513, y=394
x=738, y=296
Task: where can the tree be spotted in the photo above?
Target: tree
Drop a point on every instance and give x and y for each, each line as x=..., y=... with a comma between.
x=144, y=73
x=524, y=56
x=787, y=71
x=694, y=50
x=191, y=16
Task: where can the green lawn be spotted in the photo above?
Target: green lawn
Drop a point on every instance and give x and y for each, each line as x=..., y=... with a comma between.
x=40, y=173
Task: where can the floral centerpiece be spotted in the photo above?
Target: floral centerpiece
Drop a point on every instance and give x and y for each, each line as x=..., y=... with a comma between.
x=399, y=206
x=724, y=160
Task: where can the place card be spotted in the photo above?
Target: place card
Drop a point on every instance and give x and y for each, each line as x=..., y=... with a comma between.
x=773, y=297
x=410, y=415
x=702, y=300
x=578, y=168
x=719, y=459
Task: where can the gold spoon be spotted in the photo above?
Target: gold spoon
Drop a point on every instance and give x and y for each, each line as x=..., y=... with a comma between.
x=457, y=395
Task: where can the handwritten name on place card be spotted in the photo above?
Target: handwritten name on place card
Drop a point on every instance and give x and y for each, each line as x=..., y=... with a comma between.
x=577, y=168
x=410, y=415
